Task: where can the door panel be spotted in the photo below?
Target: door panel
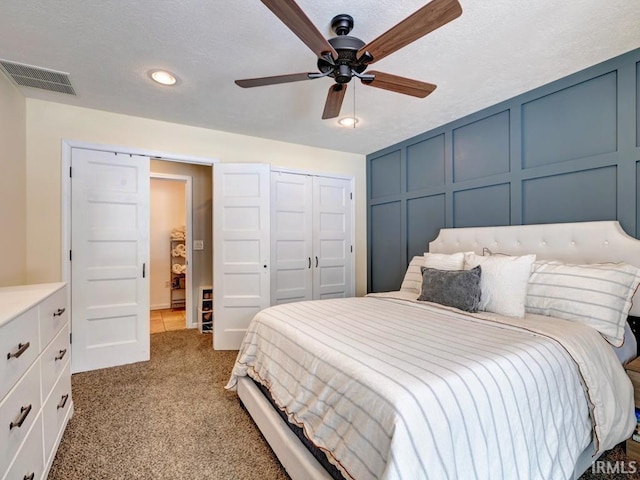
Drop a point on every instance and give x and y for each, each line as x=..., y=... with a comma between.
x=291, y=237
x=241, y=254
x=110, y=248
x=332, y=245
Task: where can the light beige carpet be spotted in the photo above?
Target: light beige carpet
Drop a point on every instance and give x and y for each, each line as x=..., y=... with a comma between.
x=169, y=418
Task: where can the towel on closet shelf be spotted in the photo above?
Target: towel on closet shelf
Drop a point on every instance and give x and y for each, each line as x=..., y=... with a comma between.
x=179, y=250
x=177, y=268
x=178, y=233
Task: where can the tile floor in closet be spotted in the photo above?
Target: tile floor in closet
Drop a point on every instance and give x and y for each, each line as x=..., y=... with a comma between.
x=165, y=320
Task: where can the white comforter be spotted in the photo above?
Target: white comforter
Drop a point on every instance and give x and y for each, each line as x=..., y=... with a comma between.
x=395, y=389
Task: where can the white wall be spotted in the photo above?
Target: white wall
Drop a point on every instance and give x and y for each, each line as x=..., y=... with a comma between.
x=13, y=185
x=49, y=123
x=167, y=211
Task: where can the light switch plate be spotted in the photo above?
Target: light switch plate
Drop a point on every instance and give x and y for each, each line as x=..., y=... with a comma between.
x=198, y=245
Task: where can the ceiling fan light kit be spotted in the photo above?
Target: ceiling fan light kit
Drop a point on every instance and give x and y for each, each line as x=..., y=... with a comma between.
x=348, y=121
x=344, y=57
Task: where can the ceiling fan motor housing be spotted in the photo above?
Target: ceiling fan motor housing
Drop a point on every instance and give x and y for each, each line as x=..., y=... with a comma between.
x=347, y=62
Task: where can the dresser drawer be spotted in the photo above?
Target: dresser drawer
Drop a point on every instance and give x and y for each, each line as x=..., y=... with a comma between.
x=29, y=463
x=56, y=411
x=53, y=360
x=19, y=346
x=18, y=411
x=53, y=315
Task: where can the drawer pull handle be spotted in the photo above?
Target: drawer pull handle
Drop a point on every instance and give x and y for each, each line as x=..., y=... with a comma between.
x=63, y=401
x=22, y=347
x=60, y=355
x=59, y=312
x=24, y=411
x=31, y=476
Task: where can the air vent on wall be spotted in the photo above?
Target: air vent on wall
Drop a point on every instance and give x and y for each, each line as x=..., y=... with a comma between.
x=36, y=77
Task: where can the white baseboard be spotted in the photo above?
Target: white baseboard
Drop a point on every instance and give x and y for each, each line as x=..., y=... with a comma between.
x=162, y=306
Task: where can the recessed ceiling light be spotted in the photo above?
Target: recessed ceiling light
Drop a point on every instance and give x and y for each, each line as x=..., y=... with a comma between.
x=348, y=121
x=163, y=77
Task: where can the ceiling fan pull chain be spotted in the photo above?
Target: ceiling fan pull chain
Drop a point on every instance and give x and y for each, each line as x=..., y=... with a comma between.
x=354, y=105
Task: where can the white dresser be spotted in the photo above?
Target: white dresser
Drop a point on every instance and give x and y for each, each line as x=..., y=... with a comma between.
x=35, y=379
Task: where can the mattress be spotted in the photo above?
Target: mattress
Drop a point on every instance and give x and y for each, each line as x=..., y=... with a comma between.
x=391, y=388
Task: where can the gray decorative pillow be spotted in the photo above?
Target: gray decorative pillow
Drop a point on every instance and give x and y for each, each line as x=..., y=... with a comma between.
x=453, y=288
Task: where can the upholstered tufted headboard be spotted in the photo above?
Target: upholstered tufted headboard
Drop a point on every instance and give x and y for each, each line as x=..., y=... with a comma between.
x=585, y=242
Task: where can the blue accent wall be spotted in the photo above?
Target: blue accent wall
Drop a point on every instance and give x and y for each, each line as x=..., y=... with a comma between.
x=567, y=151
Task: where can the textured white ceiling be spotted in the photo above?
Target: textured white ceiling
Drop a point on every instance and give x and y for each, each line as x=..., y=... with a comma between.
x=494, y=51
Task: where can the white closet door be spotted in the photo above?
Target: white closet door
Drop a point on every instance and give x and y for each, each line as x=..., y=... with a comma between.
x=110, y=250
x=291, y=237
x=241, y=249
x=332, y=245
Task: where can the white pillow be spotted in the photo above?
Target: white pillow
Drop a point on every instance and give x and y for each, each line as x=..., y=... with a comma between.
x=503, y=282
x=412, y=281
x=597, y=295
x=444, y=261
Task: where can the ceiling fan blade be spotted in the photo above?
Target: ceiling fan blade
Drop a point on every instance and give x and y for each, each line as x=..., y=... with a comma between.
x=262, y=81
x=334, y=101
x=397, y=84
x=433, y=15
x=293, y=17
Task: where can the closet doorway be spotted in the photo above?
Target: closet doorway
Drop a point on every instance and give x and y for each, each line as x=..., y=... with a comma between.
x=197, y=180
x=170, y=241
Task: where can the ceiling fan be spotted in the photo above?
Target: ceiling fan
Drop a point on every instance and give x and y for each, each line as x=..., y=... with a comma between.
x=344, y=57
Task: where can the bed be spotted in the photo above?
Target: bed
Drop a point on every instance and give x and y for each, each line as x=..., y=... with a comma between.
x=386, y=386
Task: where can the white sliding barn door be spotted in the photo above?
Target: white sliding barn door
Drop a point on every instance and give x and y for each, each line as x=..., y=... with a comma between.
x=109, y=259
x=332, y=244
x=291, y=237
x=241, y=249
